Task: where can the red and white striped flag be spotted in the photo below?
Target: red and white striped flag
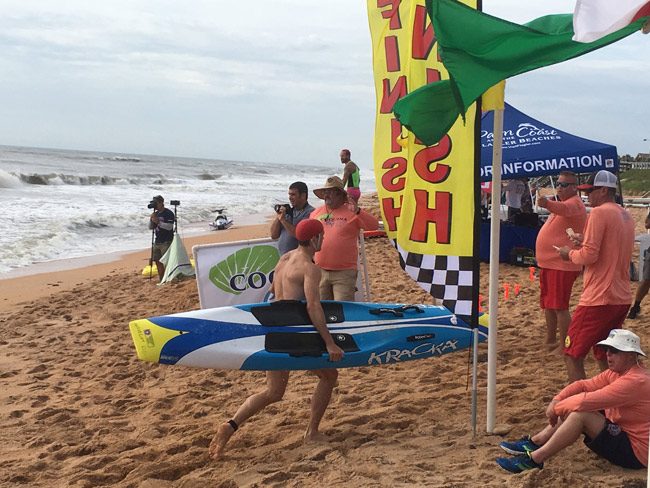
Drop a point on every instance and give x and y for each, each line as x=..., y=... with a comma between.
x=593, y=19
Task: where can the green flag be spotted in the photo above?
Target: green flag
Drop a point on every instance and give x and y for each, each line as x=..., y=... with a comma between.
x=478, y=51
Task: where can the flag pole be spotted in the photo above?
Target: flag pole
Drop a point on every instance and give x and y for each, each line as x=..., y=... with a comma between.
x=366, y=280
x=493, y=299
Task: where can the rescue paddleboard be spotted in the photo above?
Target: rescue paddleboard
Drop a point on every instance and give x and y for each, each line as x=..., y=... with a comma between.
x=279, y=335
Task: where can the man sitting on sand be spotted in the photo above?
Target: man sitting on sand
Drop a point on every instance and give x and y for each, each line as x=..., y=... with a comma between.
x=296, y=277
x=622, y=392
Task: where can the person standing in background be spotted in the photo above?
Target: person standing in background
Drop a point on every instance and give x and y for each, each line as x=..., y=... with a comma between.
x=557, y=275
x=161, y=222
x=605, y=252
x=284, y=225
x=351, y=177
x=644, y=282
x=514, y=191
x=342, y=220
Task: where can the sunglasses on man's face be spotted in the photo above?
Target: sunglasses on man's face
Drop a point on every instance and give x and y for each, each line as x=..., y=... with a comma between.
x=565, y=185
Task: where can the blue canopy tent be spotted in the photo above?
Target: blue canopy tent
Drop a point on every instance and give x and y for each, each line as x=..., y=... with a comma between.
x=533, y=148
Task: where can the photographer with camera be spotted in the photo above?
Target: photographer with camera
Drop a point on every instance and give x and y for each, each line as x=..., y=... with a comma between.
x=161, y=222
x=288, y=216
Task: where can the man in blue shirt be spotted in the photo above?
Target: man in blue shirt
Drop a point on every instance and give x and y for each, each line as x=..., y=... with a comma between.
x=284, y=225
x=161, y=222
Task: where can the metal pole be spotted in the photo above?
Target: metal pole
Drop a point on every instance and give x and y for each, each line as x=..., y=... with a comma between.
x=365, y=266
x=493, y=299
x=474, y=380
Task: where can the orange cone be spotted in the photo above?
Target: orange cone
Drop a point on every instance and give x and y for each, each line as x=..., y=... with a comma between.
x=517, y=289
x=506, y=291
x=532, y=273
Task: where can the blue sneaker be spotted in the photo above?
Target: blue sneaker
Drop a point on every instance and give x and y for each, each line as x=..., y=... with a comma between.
x=519, y=464
x=522, y=446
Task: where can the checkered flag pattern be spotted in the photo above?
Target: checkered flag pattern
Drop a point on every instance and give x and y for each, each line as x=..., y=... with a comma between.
x=447, y=278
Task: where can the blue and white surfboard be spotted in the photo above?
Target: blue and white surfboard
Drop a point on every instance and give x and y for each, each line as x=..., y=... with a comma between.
x=279, y=335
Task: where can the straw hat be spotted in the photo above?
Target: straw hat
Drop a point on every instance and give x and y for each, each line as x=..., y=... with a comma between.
x=331, y=182
x=623, y=340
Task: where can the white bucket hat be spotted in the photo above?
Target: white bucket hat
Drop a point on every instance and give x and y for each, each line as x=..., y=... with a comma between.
x=623, y=340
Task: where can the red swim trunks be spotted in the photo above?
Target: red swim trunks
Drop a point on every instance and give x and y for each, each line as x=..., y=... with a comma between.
x=555, y=288
x=590, y=325
x=354, y=193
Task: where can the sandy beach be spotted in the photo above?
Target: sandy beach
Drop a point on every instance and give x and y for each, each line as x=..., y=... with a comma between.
x=78, y=409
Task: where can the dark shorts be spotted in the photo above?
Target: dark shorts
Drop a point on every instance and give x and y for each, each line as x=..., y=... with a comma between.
x=160, y=249
x=614, y=445
x=555, y=288
x=646, y=266
x=590, y=325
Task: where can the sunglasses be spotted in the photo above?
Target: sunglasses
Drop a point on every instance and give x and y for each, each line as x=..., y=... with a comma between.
x=564, y=185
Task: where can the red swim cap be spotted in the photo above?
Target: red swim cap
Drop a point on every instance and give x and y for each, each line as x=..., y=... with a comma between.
x=308, y=228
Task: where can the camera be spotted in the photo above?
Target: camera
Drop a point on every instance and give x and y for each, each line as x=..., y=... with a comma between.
x=288, y=209
x=175, y=202
x=152, y=204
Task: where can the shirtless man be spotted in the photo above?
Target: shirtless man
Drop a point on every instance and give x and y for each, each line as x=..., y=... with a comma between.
x=351, y=175
x=296, y=277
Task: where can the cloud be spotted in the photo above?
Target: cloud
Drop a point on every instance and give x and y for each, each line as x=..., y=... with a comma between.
x=161, y=76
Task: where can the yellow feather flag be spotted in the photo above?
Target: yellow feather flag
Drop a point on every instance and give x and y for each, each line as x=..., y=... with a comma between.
x=493, y=98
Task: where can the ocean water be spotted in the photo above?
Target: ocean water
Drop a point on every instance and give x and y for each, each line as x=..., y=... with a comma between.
x=61, y=204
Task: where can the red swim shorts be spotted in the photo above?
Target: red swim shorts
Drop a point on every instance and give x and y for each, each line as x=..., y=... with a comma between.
x=590, y=325
x=555, y=288
x=354, y=193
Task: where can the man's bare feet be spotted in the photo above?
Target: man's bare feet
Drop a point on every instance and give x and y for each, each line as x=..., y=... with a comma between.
x=551, y=346
x=558, y=351
x=310, y=437
x=218, y=444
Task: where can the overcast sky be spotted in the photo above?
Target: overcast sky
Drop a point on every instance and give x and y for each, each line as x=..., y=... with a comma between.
x=272, y=81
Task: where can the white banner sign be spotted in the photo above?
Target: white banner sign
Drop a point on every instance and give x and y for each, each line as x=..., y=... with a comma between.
x=234, y=273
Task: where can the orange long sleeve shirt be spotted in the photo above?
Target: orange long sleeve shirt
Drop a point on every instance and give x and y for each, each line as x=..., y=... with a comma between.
x=340, y=248
x=625, y=399
x=606, y=253
x=570, y=213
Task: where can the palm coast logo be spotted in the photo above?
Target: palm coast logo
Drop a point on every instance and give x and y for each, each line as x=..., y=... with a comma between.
x=251, y=267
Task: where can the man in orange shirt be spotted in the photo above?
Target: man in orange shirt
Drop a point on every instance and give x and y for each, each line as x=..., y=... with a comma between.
x=620, y=435
x=556, y=275
x=342, y=220
x=605, y=252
